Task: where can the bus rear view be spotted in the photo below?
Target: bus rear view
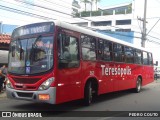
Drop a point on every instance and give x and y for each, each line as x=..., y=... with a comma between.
x=31, y=63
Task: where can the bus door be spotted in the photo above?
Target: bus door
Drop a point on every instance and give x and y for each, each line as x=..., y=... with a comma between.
x=69, y=70
x=124, y=78
x=105, y=80
x=110, y=80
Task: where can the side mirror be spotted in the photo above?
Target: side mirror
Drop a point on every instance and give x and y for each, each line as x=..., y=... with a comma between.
x=156, y=64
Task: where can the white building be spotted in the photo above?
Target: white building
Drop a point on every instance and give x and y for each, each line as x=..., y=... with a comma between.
x=122, y=20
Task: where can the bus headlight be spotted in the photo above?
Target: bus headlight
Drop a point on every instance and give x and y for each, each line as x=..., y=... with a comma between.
x=9, y=84
x=46, y=84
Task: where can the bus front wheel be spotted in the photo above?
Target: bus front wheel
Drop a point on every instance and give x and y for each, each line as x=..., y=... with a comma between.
x=138, y=85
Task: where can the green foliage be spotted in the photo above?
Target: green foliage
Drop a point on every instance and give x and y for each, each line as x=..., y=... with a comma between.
x=96, y=13
x=85, y=14
x=108, y=12
x=88, y=13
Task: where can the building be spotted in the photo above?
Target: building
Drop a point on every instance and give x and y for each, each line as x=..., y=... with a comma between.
x=5, y=37
x=124, y=22
x=115, y=21
x=4, y=47
x=6, y=28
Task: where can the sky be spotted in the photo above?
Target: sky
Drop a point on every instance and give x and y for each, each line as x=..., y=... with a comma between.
x=104, y=3
x=65, y=6
x=16, y=19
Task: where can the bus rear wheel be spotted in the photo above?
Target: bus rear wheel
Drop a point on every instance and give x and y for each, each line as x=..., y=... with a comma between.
x=88, y=96
x=138, y=85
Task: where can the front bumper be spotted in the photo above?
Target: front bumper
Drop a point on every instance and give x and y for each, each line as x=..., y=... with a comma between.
x=32, y=95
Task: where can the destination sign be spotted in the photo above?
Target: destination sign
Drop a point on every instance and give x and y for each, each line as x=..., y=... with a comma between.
x=37, y=28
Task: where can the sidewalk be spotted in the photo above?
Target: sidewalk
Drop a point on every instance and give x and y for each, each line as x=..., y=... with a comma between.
x=3, y=94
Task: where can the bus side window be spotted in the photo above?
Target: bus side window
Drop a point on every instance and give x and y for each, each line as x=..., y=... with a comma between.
x=129, y=54
x=107, y=51
x=100, y=52
x=88, y=44
x=68, y=52
x=118, y=52
x=145, y=58
x=150, y=59
x=137, y=57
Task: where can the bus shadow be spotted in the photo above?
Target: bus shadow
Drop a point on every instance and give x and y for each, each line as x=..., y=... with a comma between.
x=70, y=107
x=117, y=95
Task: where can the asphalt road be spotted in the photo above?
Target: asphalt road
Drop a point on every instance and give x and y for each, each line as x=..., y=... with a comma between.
x=147, y=100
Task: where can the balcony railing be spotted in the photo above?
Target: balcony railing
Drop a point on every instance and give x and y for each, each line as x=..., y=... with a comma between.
x=101, y=13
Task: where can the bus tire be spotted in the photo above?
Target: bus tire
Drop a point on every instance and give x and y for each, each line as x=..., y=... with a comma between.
x=138, y=85
x=88, y=93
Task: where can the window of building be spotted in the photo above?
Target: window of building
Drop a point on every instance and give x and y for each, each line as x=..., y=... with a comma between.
x=120, y=10
x=123, y=30
x=108, y=12
x=84, y=24
x=123, y=22
x=102, y=23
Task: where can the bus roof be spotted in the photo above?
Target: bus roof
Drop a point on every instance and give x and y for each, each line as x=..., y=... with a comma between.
x=93, y=33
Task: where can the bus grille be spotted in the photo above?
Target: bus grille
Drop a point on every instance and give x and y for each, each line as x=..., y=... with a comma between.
x=20, y=94
x=26, y=80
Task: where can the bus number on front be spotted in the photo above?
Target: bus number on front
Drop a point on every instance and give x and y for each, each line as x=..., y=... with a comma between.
x=91, y=72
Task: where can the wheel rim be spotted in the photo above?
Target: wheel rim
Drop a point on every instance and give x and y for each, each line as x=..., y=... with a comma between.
x=90, y=93
x=138, y=85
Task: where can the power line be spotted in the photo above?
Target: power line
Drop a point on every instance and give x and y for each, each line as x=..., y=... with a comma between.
x=58, y=11
x=14, y=18
x=62, y=13
x=153, y=41
x=58, y=4
x=51, y=18
x=40, y=6
x=50, y=9
x=153, y=26
x=65, y=3
x=33, y=9
x=8, y=8
x=24, y=12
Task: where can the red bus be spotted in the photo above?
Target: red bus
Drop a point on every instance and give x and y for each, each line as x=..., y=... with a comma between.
x=56, y=62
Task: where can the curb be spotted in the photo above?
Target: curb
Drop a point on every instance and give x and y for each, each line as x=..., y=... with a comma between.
x=3, y=95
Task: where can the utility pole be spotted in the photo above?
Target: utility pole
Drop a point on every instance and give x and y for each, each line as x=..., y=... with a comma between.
x=144, y=25
x=0, y=27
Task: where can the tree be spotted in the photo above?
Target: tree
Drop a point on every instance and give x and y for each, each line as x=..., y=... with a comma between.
x=85, y=2
x=97, y=2
x=92, y=4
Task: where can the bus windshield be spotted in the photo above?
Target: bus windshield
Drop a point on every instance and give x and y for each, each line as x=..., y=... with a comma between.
x=31, y=56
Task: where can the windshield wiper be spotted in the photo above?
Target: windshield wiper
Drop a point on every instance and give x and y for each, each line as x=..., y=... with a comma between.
x=20, y=48
x=37, y=39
